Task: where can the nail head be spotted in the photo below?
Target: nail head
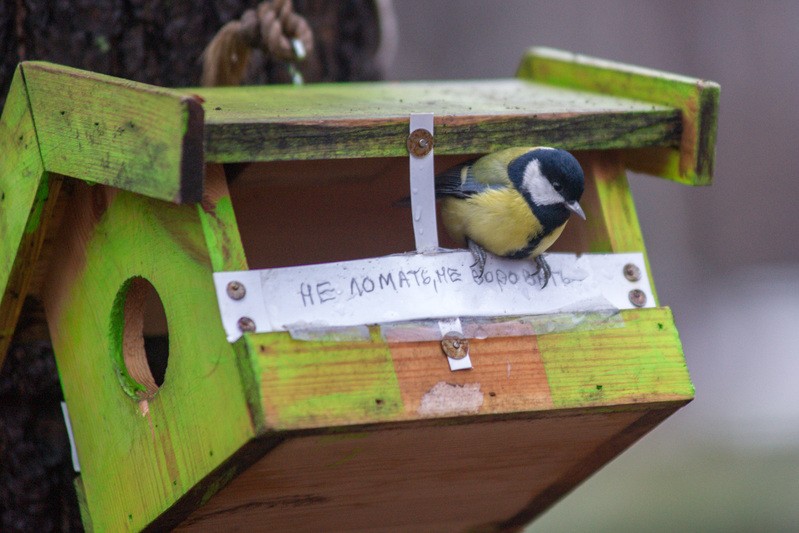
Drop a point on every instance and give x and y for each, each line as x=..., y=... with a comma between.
x=632, y=272
x=455, y=346
x=246, y=324
x=637, y=297
x=236, y=290
x=420, y=142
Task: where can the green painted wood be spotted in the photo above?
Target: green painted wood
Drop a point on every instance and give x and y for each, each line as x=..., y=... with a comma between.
x=24, y=193
x=304, y=385
x=322, y=121
x=311, y=384
x=219, y=223
x=116, y=132
x=641, y=362
x=612, y=222
x=688, y=161
x=138, y=459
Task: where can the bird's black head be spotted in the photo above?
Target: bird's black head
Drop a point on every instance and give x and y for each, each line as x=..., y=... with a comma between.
x=549, y=177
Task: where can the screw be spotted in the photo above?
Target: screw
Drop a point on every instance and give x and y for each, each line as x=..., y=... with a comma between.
x=455, y=346
x=420, y=142
x=632, y=272
x=637, y=297
x=246, y=324
x=236, y=290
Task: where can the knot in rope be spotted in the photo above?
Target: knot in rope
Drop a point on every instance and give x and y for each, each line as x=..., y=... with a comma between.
x=272, y=27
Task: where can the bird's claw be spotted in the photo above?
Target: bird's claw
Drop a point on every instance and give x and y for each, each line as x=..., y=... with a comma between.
x=542, y=265
x=479, y=255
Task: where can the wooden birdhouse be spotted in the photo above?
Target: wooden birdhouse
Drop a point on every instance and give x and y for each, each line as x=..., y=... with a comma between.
x=251, y=236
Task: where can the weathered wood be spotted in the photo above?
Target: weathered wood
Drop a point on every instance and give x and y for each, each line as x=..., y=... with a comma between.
x=140, y=458
x=559, y=405
x=446, y=477
x=328, y=121
x=612, y=223
x=25, y=202
x=219, y=223
x=116, y=132
x=303, y=384
x=691, y=160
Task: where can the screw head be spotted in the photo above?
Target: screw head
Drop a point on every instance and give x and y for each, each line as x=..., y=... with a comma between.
x=632, y=272
x=455, y=346
x=637, y=297
x=246, y=324
x=236, y=290
x=420, y=142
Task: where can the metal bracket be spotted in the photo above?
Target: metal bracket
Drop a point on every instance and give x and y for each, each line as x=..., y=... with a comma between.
x=455, y=346
x=423, y=194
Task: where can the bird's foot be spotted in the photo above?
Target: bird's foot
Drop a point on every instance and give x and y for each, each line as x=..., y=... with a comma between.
x=479, y=254
x=542, y=266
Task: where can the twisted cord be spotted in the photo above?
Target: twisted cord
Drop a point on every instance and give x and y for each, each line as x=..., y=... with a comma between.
x=270, y=27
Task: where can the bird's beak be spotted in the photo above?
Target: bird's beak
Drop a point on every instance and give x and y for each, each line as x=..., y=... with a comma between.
x=575, y=208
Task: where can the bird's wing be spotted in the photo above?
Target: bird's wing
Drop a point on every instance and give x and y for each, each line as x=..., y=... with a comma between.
x=458, y=181
x=477, y=175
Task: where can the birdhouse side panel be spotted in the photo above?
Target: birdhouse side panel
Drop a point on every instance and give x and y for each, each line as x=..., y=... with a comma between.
x=140, y=449
x=24, y=194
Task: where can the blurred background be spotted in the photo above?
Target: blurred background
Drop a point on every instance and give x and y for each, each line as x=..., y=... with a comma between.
x=725, y=258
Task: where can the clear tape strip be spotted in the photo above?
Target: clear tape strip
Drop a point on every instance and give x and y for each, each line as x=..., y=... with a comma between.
x=472, y=327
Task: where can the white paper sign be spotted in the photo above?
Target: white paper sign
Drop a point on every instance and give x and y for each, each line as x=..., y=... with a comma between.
x=417, y=286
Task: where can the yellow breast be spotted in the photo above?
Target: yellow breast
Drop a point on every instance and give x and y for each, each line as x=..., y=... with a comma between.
x=499, y=220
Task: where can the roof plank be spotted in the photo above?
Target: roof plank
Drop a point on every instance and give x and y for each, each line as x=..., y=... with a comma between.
x=117, y=132
x=268, y=123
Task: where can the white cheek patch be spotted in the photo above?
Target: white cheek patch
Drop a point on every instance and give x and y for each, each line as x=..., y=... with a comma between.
x=539, y=188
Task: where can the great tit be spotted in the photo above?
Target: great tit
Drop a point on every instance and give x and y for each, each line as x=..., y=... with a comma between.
x=513, y=203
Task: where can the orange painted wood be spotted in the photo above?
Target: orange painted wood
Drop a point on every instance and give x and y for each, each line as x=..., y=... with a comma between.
x=508, y=375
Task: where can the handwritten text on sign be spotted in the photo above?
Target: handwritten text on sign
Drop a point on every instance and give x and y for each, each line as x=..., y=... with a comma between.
x=417, y=286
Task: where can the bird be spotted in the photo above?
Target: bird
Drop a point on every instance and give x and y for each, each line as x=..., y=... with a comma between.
x=513, y=203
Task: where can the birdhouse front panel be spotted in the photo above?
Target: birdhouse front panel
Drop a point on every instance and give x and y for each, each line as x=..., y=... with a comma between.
x=245, y=333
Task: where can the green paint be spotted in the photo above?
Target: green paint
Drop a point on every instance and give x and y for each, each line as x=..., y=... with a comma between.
x=130, y=462
x=639, y=363
x=250, y=371
x=106, y=130
x=313, y=384
x=85, y=517
x=35, y=218
x=222, y=236
x=218, y=483
x=617, y=229
x=320, y=121
x=23, y=181
x=116, y=333
x=691, y=161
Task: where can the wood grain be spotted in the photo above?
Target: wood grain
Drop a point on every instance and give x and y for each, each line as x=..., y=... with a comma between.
x=138, y=459
x=116, y=132
x=692, y=160
x=328, y=121
x=27, y=196
x=317, y=384
x=462, y=477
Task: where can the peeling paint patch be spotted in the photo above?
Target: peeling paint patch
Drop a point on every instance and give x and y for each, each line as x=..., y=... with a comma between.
x=446, y=399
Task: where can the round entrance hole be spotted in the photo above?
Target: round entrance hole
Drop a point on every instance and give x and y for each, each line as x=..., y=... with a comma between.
x=142, y=338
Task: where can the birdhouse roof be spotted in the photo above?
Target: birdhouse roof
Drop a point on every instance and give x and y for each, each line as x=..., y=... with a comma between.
x=60, y=121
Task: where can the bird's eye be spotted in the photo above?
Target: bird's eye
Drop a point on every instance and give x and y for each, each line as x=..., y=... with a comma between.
x=557, y=186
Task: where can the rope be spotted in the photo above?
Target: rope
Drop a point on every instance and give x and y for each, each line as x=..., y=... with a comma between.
x=272, y=27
